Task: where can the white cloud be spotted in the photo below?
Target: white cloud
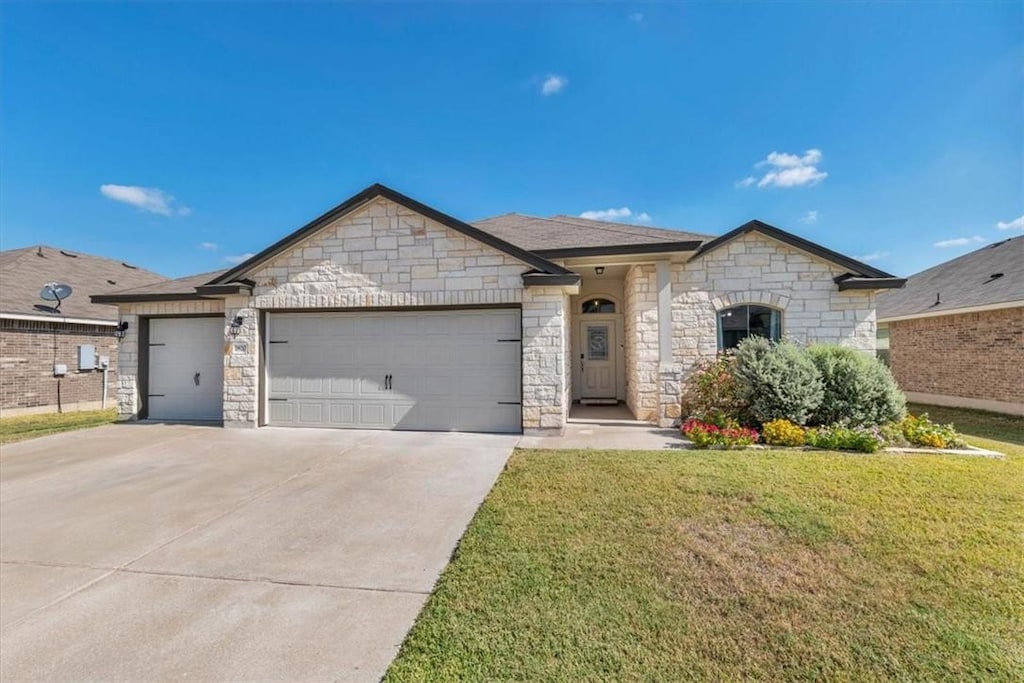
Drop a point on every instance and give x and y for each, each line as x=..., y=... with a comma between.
x=636, y=17
x=553, y=85
x=239, y=258
x=209, y=246
x=788, y=170
x=960, y=241
x=1015, y=224
x=873, y=256
x=620, y=215
x=150, y=199
x=810, y=217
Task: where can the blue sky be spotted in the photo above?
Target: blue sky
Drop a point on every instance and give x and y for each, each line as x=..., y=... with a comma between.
x=180, y=135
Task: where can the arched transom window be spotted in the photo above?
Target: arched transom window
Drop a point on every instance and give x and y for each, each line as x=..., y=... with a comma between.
x=598, y=305
x=739, y=322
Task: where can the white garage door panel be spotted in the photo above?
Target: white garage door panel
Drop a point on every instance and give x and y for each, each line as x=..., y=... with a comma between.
x=451, y=371
x=186, y=368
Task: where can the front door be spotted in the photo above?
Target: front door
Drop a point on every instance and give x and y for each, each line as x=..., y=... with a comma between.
x=597, y=360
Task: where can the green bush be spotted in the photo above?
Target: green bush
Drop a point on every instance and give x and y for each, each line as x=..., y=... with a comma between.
x=840, y=438
x=783, y=433
x=776, y=381
x=920, y=431
x=710, y=394
x=857, y=388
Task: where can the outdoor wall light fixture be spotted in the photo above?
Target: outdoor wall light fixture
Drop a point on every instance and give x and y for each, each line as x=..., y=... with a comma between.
x=236, y=325
x=121, y=329
x=599, y=270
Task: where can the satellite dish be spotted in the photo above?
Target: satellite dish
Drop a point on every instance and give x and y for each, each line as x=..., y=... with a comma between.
x=55, y=291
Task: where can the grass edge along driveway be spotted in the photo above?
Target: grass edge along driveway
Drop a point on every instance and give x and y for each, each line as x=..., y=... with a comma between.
x=775, y=565
x=23, y=427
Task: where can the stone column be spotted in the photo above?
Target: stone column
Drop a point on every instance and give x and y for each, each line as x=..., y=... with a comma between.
x=544, y=362
x=128, y=370
x=241, y=364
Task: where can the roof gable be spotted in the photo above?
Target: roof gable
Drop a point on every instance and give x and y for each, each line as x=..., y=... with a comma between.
x=369, y=194
x=856, y=268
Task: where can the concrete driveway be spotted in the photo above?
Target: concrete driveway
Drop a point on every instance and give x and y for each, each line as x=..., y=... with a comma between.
x=152, y=552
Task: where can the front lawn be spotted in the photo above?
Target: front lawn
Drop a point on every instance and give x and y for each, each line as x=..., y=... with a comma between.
x=30, y=426
x=777, y=565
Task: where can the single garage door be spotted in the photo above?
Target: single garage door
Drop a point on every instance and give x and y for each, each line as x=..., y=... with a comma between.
x=437, y=370
x=186, y=369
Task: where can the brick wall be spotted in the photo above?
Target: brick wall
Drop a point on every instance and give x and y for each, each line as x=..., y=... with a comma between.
x=28, y=352
x=972, y=355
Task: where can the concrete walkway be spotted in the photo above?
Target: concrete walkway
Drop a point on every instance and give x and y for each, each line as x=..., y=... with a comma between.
x=155, y=552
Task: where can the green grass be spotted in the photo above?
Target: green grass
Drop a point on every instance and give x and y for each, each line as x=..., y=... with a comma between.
x=778, y=565
x=30, y=426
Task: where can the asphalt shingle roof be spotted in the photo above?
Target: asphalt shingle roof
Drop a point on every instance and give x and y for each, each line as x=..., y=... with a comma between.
x=24, y=272
x=181, y=285
x=967, y=281
x=568, y=232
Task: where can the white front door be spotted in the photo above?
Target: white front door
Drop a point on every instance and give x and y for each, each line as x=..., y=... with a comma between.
x=186, y=369
x=597, y=359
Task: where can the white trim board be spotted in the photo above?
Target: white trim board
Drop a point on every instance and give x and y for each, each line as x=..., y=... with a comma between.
x=954, y=311
x=58, y=319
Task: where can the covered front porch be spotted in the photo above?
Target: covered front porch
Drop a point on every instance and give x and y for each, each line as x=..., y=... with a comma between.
x=621, y=349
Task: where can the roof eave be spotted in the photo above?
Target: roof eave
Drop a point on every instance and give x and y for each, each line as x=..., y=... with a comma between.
x=228, y=289
x=533, y=279
x=139, y=298
x=848, y=281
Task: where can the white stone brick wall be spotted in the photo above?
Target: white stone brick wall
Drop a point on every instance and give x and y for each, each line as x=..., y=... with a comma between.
x=128, y=403
x=640, y=329
x=755, y=269
x=385, y=255
x=545, y=338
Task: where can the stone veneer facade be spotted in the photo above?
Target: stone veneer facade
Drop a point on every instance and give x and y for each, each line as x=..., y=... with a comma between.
x=387, y=256
x=752, y=269
x=381, y=256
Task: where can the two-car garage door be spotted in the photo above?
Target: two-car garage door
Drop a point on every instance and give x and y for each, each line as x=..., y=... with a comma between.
x=430, y=370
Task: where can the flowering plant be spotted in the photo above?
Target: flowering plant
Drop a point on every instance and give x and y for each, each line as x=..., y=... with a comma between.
x=705, y=435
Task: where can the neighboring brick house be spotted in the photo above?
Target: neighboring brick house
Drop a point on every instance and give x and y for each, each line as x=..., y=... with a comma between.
x=385, y=313
x=34, y=337
x=955, y=333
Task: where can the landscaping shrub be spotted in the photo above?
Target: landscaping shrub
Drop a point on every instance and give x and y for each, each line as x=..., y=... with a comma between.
x=776, y=381
x=705, y=435
x=920, y=431
x=783, y=433
x=711, y=394
x=840, y=438
x=857, y=388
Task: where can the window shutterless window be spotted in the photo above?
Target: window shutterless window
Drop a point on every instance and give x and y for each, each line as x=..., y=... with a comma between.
x=739, y=322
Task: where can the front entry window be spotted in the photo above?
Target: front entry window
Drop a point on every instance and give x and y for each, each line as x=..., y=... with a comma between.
x=739, y=322
x=597, y=342
x=598, y=306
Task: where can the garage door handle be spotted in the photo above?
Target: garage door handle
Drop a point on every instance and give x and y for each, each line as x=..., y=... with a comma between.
x=196, y=379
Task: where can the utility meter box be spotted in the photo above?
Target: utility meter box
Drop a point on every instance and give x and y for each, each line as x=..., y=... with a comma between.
x=59, y=370
x=104, y=362
x=86, y=357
